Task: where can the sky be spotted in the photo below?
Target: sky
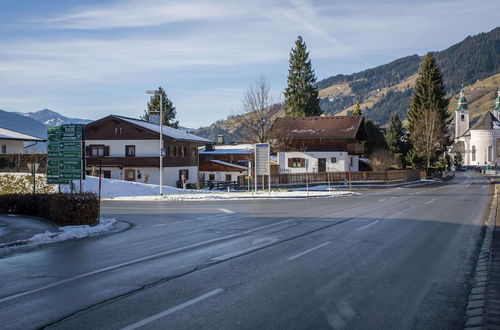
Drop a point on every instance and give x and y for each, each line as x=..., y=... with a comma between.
x=89, y=59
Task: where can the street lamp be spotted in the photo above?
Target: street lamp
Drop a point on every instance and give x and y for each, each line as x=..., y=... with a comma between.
x=158, y=92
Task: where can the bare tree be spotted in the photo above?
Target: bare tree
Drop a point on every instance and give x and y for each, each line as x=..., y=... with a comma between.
x=257, y=117
x=429, y=139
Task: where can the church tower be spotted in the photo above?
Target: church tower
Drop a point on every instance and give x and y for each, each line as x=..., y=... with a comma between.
x=496, y=108
x=461, y=116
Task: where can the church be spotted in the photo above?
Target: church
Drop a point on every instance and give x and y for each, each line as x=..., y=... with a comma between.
x=478, y=141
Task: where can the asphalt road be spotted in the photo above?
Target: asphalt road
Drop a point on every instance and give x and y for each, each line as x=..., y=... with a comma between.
x=387, y=259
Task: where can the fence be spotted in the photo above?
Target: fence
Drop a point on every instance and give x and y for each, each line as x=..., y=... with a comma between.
x=18, y=162
x=284, y=179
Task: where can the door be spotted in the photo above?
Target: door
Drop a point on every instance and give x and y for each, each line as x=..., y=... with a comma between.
x=129, y=174
x=321, y=165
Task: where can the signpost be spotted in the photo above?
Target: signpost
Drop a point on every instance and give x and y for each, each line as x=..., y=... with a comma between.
x=65, y=161
x=262, y=163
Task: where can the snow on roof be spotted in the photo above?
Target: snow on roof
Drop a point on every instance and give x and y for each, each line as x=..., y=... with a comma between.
x=166, y=130
x=229, y=149
x=229, y=164
x=8, y=134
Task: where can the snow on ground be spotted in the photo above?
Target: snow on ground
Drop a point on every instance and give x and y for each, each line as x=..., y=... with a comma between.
x=65, y=233
x=119, y=188
x=239, y=195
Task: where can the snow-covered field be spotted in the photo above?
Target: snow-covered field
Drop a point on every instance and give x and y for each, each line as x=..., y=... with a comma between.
x=65, y=233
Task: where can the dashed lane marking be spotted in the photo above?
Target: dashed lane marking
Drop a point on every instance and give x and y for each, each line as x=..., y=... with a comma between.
x=368, y=225
x=307, y=251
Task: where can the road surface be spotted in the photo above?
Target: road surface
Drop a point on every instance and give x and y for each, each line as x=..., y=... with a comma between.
x=394, y=258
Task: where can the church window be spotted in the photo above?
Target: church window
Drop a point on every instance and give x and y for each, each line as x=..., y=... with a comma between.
x=462, y=117
x=473, y=153
x=490, y=153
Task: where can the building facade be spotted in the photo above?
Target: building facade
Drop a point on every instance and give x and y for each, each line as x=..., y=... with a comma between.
x=478, y=140
x=319, y=144
x=12, y=142
x=129, y=149
x=224, y=163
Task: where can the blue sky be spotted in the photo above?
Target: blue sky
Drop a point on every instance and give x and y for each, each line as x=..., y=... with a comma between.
x=91, y=58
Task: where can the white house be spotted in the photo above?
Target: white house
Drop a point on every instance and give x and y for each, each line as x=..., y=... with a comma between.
x=224, y=162
x=319, y=144
x=12, y=142
x=129, y=149
x=478, y=141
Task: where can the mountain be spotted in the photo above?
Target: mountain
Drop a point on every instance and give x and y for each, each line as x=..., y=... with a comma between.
x=473, y=63
x=52, y=118
x=386, y=88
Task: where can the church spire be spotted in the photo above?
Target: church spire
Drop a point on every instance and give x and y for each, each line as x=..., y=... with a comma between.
x=462, y=101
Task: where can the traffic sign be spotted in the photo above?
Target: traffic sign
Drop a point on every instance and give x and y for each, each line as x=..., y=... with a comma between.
x=56, y=180
x=53, y=163
x=70, y=154
x=70, y=164
x=262, y=161
x=53, y=172
x=70, y=146
x=70, y=175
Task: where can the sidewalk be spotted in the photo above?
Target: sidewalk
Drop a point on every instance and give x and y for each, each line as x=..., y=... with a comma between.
x=14, y=228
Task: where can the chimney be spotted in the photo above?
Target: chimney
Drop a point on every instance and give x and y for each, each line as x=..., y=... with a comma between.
x=220, y=139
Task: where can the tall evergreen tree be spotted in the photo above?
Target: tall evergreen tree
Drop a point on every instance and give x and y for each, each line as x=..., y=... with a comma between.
x=375, y=138
x=301, y=96
x=357, y=110
x=428, y=101
x=395, y=138
x=168, y=109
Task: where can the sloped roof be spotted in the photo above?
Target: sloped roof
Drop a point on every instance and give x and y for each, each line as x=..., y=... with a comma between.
x=458, y=147
x=8, y=134
x=486, y=121
x=166, y=130
x=317, y=127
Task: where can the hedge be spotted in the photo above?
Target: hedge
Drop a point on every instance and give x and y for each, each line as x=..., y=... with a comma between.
x=62, y=209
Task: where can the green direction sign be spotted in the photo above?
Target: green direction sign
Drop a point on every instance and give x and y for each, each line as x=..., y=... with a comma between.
x=54, y=138
x=53, y=154
x=70, y=164
x=53, y=172
x=53, y=146
x=70, y=154
x=53, y=163
x=70, y=175
x=56, y=180
x=70, y=145
x=54, y=130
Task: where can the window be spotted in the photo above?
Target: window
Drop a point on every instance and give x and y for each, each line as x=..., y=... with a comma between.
x=228, y=177
x=174, y=151
x=183, y=174
x=98, y=151
x=490, y=153
x=351, y=162
x=4, y=148
x=296, y=162
x=118, y=131
x=184, y=152
x=462, y=117
x=211, y=177
x=130, y=151
x=473, y=153
x=334, y=160
x=193, y=152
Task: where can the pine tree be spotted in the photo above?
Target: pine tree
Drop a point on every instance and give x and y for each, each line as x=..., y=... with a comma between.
x=428, y=97
x=357, y=110
x=168, y=108
x=301, y=96
x=395, y=138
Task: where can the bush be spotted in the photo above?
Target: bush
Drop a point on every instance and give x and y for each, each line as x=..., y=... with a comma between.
x=62, y=209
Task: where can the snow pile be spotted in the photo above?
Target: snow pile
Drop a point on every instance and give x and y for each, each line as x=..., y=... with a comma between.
x=119, y=188
x=66, y=233
x=237, y=195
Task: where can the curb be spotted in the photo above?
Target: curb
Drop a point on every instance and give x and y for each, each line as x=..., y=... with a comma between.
x=476, y=307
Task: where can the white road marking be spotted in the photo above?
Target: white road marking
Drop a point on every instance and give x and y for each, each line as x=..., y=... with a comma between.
x=428, y=202
x=307, y=251
x=226, y=211
x=172, y=310
x=368, y=225
x=381, y=200
x=156, y=255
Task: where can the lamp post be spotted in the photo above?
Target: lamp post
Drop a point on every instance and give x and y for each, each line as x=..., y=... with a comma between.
x=158, y=92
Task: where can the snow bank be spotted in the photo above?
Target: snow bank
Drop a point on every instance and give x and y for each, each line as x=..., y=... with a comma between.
x=66, y=233
x=119, y=188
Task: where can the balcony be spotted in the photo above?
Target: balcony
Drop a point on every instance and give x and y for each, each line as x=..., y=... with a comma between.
x=355, y=148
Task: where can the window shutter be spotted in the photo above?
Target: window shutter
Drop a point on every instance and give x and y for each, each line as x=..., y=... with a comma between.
x=88, y=151
x=290, y=162
x=302, y=162
x=106, y=150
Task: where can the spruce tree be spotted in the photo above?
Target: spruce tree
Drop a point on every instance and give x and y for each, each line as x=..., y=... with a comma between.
x=428, y=116
x=357, y=110
x=301, y=96
x=395, y=138
x=428, y=94
x=168, y=108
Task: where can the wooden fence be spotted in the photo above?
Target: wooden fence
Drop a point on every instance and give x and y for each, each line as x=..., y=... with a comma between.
x=284, y=179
